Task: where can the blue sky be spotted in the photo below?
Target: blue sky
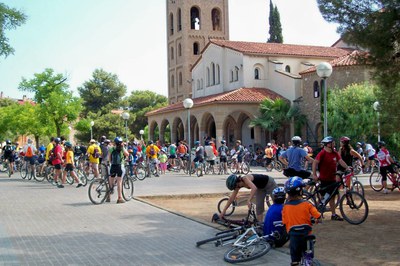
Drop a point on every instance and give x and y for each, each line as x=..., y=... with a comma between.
x=128, y=38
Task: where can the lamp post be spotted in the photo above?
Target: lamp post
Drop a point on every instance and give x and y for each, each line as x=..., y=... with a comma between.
x=376, y=107
x=91, y=129
x=188, y=103
x=141, y=132
x=324, y=71
x=125, y=116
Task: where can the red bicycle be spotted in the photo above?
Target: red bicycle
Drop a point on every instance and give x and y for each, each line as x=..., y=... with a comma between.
x=375, y=180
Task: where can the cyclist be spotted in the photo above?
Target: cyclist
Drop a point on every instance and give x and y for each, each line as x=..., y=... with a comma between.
x=239, y=151
x=269, y=154
x=327, y=160
x=296, y=216
x=309, y=151
x=199, y=153
x=260, y=185
x=386, y=164
x=9, y=154
x=116, y=157
x=57, y=161
x=274, y=214
x=94, y=154
x=69, y=164
x=348, y=154
x=210, y=155
x=29, y=151
x=172, y=153
x=369, y=152
x=293, y=158
x=223, y=155
x=152, y=151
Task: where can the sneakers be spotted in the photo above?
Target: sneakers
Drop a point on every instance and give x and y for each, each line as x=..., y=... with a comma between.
x=60, y=186
x=120, y=201
x=79, y=185
x=385, y=191
x=336, y=217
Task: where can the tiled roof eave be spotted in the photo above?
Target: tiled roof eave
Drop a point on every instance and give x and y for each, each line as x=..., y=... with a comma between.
x=287, y=55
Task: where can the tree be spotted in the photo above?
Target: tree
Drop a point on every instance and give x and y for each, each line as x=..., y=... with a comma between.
x=10, y=18
x=102, y=93
x=141, y=102
x=275, y=26
x=58, y=107
x=375, y=26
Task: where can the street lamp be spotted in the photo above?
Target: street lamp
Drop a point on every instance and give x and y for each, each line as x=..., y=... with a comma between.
x=91, y=129
x=324, y=71
x=376, y=107
x=141, y=132
x=188, y=103
x=125, y=116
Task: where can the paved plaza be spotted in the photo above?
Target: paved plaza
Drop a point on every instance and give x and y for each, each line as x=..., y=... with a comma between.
x=43, y=225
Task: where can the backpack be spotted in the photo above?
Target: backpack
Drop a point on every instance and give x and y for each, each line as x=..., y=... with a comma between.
x=152, y=150
x=116, y=156
x=29, y=152
x=52, y=155
x=96, y=153
x=182, y=149
x=8, y=150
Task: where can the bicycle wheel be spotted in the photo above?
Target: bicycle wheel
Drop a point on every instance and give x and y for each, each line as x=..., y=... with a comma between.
x=221, y=204
x=98, y=191
x=245, y=168
x=24, y=171
x=140, y=173
x=39, y=176
x=375, y=181
x=269, y=167
x=358, y=187
x=199, y=170
x=82, y=177
x=3, y=167
x=127, y=188
x=278, y=166
x=353, y=207
x=232, y=168
x=250, y=252
x=70, y=179
x=219, y=238
x=49, y=173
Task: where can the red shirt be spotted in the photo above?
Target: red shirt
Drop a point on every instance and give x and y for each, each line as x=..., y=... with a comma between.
x=383, y=157
x=58, y=153
x=327, y=164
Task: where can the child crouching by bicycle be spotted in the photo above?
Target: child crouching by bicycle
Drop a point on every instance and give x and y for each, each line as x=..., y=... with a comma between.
x=274, y=214
x=296, y=216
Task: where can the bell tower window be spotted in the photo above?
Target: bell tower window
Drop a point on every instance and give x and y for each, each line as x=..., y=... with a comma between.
x=194, y=18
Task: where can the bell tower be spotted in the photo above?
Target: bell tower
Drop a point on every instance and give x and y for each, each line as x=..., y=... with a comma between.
x=190, y=24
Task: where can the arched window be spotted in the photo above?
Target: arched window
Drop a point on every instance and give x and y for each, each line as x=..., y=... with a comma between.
x=171, y=24
x=212, y=74
x=231, y=75
x=287, y=68
x=208, y=76
x=198, y=85
x=172, y=53
x=179, y=50
x=179, y=24
x=256, y=73
x=236, y=73
x=218, y=75
x=172, y=81
x=196, y=48
x=180, y=79
x=201, y=84
x=194, y=18
x=216, y=19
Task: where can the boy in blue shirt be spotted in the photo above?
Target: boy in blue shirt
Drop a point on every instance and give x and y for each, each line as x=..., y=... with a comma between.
x=274, y=214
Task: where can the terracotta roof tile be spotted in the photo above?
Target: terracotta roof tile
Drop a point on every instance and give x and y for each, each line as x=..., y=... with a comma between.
x=242, y=95
x=350, y=59
x=281, y=49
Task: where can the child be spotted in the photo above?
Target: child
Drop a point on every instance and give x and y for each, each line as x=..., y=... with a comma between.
x=69, y=164
x=296, y=216
x=274, y=214
x=163, y=161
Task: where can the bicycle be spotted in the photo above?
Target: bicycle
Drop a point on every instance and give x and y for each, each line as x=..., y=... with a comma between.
x=274, y=164
x=375, y=180
x=100, y=189
x=244, y=167
x=352, y=205
x=236, y=228
x=200, y=168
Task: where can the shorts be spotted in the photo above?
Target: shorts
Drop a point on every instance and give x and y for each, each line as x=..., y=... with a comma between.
x=31, y=160
x=371, y=158
x=172, y=156
x=223, y=159
x=116, y=170
x=198, y=159
x=384, y=170
x=262, y=193
x=290, y=172
x=10, y=158
x=69, y=168
x=240, y=159
x=328, y=187
x=57, y=166
x=212, y=162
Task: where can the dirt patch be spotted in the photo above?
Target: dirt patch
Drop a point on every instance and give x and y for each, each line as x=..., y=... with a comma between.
x=375, y=242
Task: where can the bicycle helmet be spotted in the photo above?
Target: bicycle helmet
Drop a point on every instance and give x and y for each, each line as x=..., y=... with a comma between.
x=8, y=141
x=197, y=142
x=68, y=144
x=231, y=181
x=278, y=193
x=150, y=142
x=381, y=143
x=305, y=143
x=359, y=143
x=345, y=140
x=118, y=140
x=57, y=140
x=327, y=140
x=103, y=138
x=238, y=141
x=269, y=144
x=296, y=140
x=223, y=141
x=42, y=148
x=107, y=141
x=294, y=184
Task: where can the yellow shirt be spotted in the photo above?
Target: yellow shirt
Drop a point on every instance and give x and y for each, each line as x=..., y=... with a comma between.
x=90, y=151
x=69, y=157
x=49, y=147
x=156, y=151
